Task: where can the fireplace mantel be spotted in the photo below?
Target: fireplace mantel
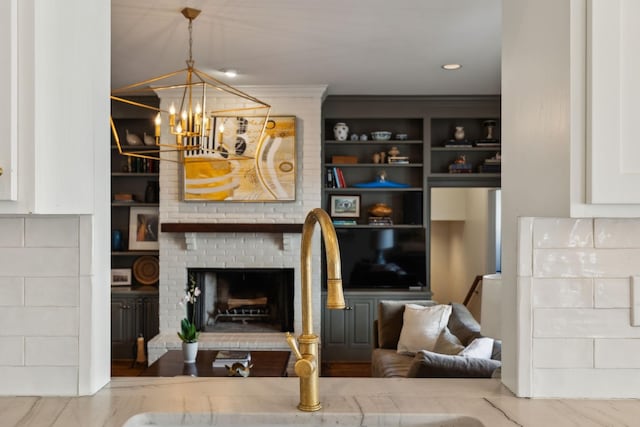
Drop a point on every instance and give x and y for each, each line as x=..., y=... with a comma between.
x=198, y=227
x=190, y=230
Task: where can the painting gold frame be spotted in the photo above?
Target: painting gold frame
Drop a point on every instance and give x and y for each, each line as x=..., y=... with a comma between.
x=241, y=166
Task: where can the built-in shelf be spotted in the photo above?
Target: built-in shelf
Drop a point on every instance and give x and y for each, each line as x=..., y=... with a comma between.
x=134, y=253
x=129, y=204
x=191, y=227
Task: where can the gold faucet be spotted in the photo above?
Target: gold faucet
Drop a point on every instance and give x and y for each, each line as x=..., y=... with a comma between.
x=306, y=354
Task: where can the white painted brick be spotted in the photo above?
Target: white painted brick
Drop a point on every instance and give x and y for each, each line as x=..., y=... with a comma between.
x=39, y=261
x=583, y=323
x=51, y=291
x=612, y=293
x=51, y=232
x=617, y=232
x=557, y=292
x=586, y=262
x=51, y=351
x=39, y=381
x=525, y=247
x=39, y=321
x=586, y=383
x=562, y=233
x=11, y=232
x=11, y=291
x=617, y=353
x=11, y=351
x=563, y=353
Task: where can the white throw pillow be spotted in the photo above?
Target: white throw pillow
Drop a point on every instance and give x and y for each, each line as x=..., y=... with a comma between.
x=421, y=327
x=481, y=348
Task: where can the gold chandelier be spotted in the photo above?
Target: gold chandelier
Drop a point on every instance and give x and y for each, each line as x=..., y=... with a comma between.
x=192, y=122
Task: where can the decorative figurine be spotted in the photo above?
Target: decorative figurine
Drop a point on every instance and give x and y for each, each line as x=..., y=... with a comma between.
x=489, y=125
x=364, y=137
x=354, y=137
x=376, y=158
x=239, y=369
x=340, y=131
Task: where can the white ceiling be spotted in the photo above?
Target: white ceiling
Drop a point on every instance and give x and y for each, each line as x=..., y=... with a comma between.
x=385, y=47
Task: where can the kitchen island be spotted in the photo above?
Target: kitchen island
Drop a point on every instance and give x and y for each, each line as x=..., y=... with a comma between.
x=346, y=401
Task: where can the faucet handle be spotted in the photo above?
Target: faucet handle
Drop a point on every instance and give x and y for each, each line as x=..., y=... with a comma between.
x=304, y=366
x=293, y=345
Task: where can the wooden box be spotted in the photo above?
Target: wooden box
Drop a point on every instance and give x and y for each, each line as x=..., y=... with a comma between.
x=344, y=159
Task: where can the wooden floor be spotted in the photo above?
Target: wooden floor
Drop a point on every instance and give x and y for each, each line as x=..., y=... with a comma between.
x=126, y=368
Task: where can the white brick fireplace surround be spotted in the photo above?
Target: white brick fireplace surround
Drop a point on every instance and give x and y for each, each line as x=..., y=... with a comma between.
x=180, y=251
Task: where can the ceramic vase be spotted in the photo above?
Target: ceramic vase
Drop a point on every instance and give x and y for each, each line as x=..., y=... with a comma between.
x=341, y=131
x=458, y=135
x=189, y=351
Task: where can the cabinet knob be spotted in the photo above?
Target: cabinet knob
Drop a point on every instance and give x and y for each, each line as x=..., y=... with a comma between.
x=348, y=307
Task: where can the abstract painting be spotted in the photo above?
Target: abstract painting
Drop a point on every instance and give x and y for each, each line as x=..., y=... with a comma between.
x=239, y=165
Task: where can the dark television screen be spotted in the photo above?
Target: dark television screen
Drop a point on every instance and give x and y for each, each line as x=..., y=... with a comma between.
x=382, y=258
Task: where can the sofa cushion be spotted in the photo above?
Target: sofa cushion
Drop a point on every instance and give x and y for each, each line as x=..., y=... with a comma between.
x=390, y=313
x=447, y=343
x=462, y=324
x=386, y=363
x=427, y=364
x=422, y=326
x=480, y=348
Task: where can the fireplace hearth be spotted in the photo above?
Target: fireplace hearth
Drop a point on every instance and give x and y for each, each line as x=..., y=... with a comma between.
x=241, y=300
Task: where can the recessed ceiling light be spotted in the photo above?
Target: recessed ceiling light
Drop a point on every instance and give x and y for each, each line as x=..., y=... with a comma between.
x=230, y=73
x=452, y=66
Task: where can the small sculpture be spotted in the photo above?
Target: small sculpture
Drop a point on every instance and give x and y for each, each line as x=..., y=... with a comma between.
x=376, y=158
x=489, y=125
x=458, y=135
x=132, y=138
x=354, y=137
x=239, y=369
x=149, y=139
x=364, y=137
x=394, y=151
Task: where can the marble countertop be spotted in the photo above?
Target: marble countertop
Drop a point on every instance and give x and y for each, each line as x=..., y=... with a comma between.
x=346, y=401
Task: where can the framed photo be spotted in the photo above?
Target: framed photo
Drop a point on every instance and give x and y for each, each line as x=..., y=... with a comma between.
x=120, y=277
x=345, y=206
x=143, y=228
x=239, y=165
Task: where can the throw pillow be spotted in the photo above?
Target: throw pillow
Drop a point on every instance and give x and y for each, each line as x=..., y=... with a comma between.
x=421, y=327
x=447, y=343
x=427, y=364
x=480, y=348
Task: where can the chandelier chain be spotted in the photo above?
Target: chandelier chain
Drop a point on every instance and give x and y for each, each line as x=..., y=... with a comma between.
x=190, y=60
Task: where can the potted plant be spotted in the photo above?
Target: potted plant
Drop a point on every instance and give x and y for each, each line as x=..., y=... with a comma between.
x=188, y=332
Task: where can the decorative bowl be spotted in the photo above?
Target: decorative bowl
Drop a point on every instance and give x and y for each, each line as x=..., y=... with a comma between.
x=381, y=135
x=401, y=136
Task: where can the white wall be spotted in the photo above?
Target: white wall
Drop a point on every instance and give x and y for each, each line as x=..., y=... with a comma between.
x=458, y=247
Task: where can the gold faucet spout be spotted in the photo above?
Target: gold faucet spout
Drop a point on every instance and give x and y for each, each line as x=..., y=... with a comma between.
x=307, y=352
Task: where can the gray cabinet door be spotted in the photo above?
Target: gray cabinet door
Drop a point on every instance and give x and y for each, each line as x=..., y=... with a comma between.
x=123, y=324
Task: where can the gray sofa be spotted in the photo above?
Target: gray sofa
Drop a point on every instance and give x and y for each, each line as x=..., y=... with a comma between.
x=387, y=362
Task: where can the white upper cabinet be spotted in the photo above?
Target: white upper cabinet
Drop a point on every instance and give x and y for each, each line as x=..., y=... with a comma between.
x=8, y=99
x=613, y=110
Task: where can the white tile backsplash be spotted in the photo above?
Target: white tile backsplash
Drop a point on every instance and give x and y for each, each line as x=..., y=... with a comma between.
x=561, y=292
x=563, y=353
x=611, y=293
x=51, y=291
x=11, y=291
x=11, y=233
x=582, y=340
x=562, y=233
x=51, y=232
x=617, y=232
x=39, y=307
x=51, y=351
x=12, y=351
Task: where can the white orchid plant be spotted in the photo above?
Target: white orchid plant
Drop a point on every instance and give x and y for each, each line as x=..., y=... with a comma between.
x=188, y=332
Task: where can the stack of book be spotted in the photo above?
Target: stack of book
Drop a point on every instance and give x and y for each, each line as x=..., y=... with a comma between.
x=457, y=143
x=344, y=222
x=380, y=220
x=487, y=143
x=492, y=165
x=398, y=159
x=229, y=357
